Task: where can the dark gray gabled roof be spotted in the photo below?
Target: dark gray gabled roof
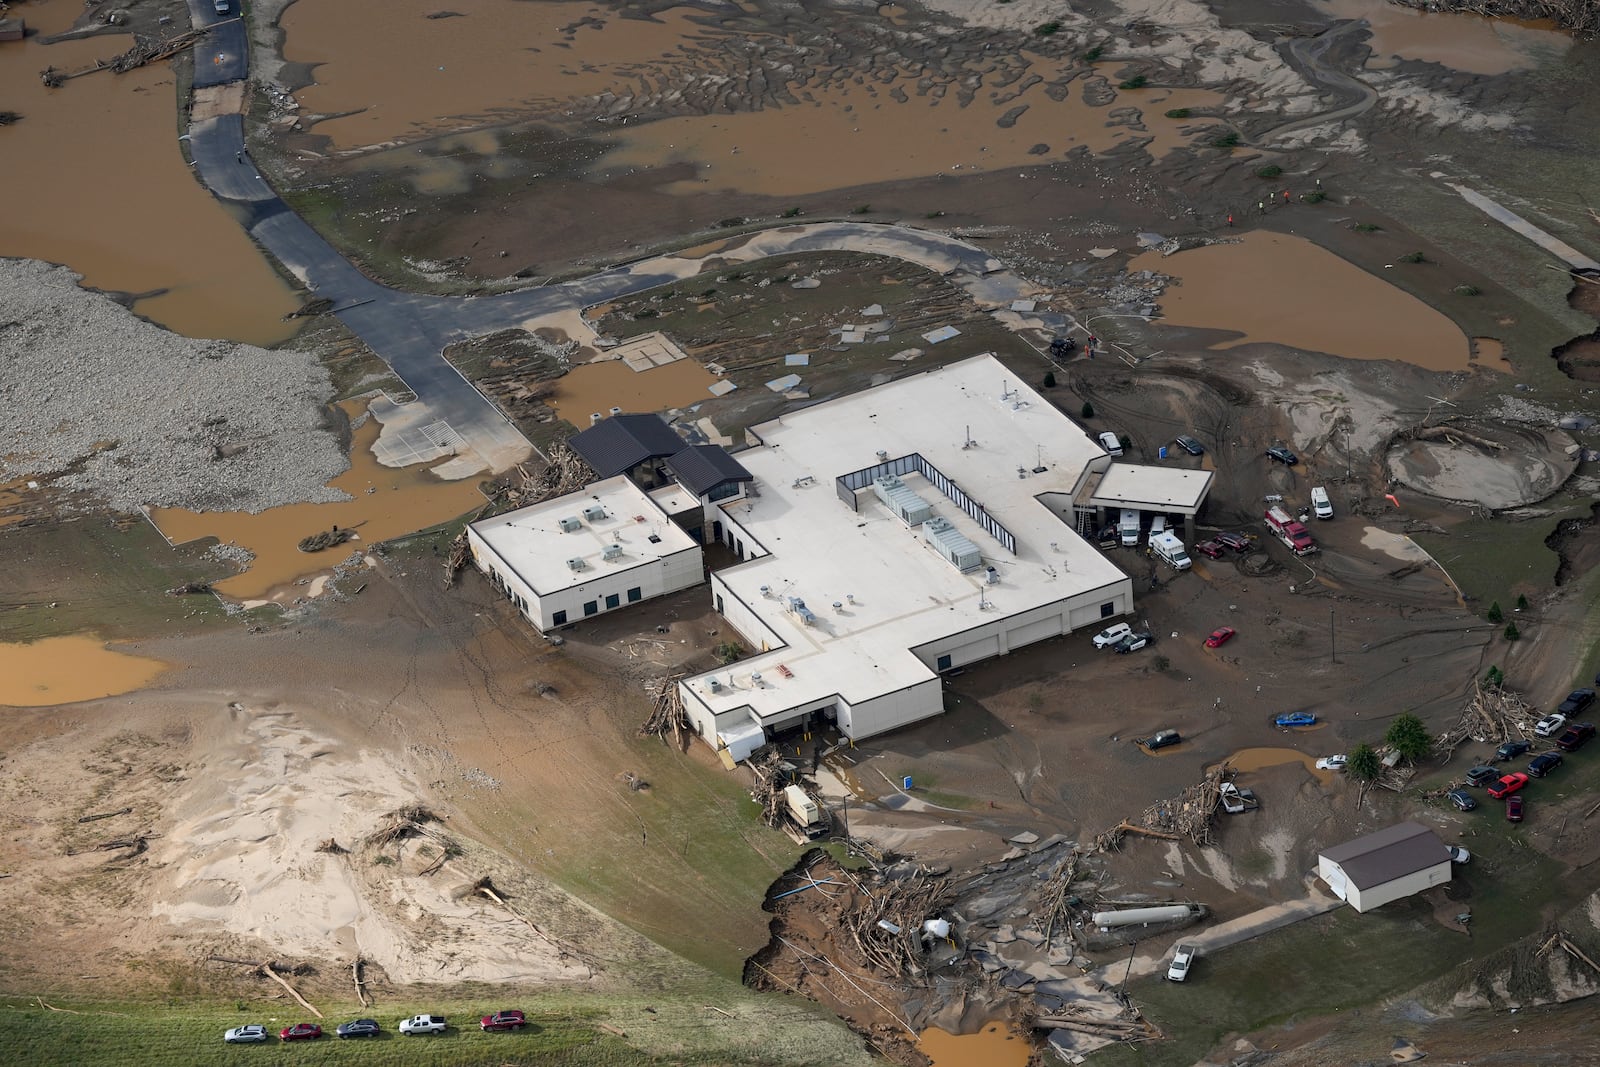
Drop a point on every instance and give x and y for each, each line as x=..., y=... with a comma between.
x=701, y=468
x=1402, y=849
x=616, y=445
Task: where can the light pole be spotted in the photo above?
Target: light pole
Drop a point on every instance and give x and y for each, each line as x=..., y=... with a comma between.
x=1333, y=649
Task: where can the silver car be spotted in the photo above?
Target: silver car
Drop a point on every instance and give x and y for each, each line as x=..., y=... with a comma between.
x=244, y=1035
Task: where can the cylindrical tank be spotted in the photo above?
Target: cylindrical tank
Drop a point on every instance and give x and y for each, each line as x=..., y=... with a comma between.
x=1142, y=916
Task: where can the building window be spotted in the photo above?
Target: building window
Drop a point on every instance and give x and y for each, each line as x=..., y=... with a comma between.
x=590, y=607
x=558, y=619
x=719, y=604
x=944, y=663
x=723, y=491
x=635, y=594
x=613, y=601
x=738, y=547
x=1107, y=610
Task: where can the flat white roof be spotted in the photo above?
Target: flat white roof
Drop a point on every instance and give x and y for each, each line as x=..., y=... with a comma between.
x=532, y=543
x=1133, y=485
x=985, y=431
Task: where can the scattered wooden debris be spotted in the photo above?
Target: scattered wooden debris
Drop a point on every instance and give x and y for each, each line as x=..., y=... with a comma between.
x=189, y=588
x=105, y=815
x=145, y=50
x=332, y=847
x=266, y=969
x=666, y=713
x=9, y=117
x=564, y=473
x=1493, y=714
x=361, y=986
x=326, y=539
x=404, y=823
x=1190, y=815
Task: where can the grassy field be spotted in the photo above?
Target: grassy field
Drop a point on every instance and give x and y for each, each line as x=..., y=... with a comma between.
x=564, y=1028
x=1343, y=960
x=1494, y=560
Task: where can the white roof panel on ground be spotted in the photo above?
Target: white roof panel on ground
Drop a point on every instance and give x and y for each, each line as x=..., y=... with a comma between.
x=1147, y=488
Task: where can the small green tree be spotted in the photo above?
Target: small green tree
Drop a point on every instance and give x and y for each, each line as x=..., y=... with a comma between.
x=1495, y=615
x=1408, y=735
x=1049, y=379
x=1522, y=602
x=1512, y=633
x=1495, y=677
x=1088, y=410
x=1364, y=763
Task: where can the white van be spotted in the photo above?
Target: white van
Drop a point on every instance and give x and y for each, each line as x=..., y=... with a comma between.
x=1321, y=504
x=1109, y=442
x=1158, y=526
x=1169, y=547
x=1128, y=528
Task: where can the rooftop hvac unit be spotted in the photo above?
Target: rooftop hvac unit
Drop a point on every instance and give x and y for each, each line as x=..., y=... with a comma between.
x=595, y=417
x=798, y=608
x=952, y=544
x=576, y=564
x=611, y=553
x=570, y=524
x=616, y=411
x=766, y=591
x=714, y=685
x=594, y=512
x=902, y=500
x=755, y=679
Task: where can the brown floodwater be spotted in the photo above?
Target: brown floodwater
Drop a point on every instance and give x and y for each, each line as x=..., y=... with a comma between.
x=996, y=1045
x=1283, y=289
x=1460, y=41
x=596, y=388
x=96, y=181
x=385, y=502
x=398, y=73
x=861, y=136
x=1259, y=759
x=65, y=670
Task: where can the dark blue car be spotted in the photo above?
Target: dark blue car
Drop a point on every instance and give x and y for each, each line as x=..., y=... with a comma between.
x=1295, y=718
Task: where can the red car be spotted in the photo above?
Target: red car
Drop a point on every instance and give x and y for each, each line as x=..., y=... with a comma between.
x=1210, y=549
x=300, y=1032
x=1219, y=637
x=503, y=1020
x=1514, y=808
x=1238, y=542
x=1507, y=785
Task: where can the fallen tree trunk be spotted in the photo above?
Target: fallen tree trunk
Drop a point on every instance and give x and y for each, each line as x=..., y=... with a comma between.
x=266, y=969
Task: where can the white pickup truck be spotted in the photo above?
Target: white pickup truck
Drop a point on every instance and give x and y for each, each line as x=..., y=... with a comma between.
x=422, y=1024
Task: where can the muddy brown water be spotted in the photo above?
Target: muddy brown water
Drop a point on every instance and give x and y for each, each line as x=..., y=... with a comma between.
x=862, y=136
x=389, y=72
x=385, y=502
x=596, y=388
x=1284, y=289
x=1459, y=41
x=65, y=670
x=97, y=182
x=996, y=1045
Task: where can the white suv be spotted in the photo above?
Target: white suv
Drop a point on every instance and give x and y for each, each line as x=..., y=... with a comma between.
x=1111, y=635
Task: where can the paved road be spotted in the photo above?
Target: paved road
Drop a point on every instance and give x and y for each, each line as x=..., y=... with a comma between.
x=1517, y=224
x=409, y=331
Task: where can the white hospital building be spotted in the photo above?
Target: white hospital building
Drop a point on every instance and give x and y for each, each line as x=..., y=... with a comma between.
x=881, y=538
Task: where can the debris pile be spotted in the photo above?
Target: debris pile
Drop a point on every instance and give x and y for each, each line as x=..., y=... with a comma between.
x=564, y=473
x=1189, y=814
x=666, y=711
x=1492, y=714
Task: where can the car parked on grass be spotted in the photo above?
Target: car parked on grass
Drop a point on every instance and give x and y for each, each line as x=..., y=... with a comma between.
x=1210, y=549
x=300, y=1032
x=1236, y=541
x=1111, y=635
x=1295, y=718
x=1544, y=763
x=1483, y=775
x=1514, y=807
x=1462, y=799
x=1576, y=701
x=1220, y=636
x=1459, y=854
x=503, y=1020
x=1132, y=643
x=1190, y=445
x=422, y=1024
x=359, y=1028
x=1282, y=455
x=1332, y=763
x=1178, y=970
x=246, y=1035
x=1512, y=749
x=1575, y=737
x=1507, y=785
x=1550, y=725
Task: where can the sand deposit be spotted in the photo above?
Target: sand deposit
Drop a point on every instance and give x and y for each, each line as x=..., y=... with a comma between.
x=98, y=400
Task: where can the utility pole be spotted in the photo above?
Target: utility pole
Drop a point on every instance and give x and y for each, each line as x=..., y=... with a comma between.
x=1121, y=994
x=1333, y=649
